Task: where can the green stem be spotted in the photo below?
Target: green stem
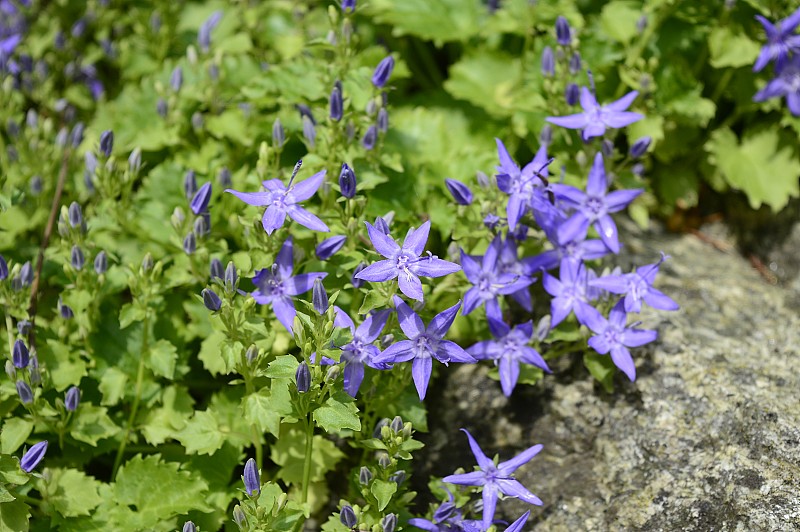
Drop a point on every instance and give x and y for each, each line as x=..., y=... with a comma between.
x=307, y=463
x=137, y=398
x=253, y=429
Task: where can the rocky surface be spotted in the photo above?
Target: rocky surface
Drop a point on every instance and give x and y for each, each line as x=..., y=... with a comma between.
x=707, y=438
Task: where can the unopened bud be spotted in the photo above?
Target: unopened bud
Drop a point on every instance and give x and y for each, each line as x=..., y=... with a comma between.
x=319, y=297
x=211, y=300
x=348, y=517
x=231, y=278
x=364, y=476
x=302, y=377
x=397, y=424
x=72, y=398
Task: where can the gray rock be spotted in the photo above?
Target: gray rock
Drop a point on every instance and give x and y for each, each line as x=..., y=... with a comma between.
x=707, y=438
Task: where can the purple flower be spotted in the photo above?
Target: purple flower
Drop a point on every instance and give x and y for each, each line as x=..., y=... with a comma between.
x=525, y=186
x=211, y=300
x=275, y=286
x=347, y=181
x=507, y=351
x=328, y=247
x=612, y=336
x=569, y=292
x=106, y=143
x=787, y=84
x=200, y=200
x=251, y=478
x=517, y=525
x=72, y=398
x=423, y=344
x=336, y=105
x=637, y=287
x=32, y=457
x=781, y=41
x=593, y=207
x=496, y=479
x=383, y=71
x=20, y=355
x=563, y=32
x=406, y=262
x=596, y=118
x=575, y=250
x=509, y=263
x=319, y=297
x=488, y=283
x=360, y=351
x=348, y=5
x=447, y=518
x=302, y=377
x=348, y=517
x=204, y=33
x=571, y=94
x=370, y=138
x=639, y=147
x=460, y=192
x=548, y=62
x=281, y=200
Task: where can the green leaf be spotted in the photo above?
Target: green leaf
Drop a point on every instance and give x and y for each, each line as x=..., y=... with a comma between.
x=258, y=411
x=729, y=49
x=71, y=492
x=339, y=412
x=112, y=386
x=231, y=125
x=163, y=356
x=211, y=353
x=5, y=495
x=64, y=366
x=288, y=452
x=766, y=174
x=10, y=472
x=618, y=20
x=602, y=369
x=173, y=415
x=14, y=516
x=436, y=20
x=283, y=367
x=372, y=300
x=383, y=491
x=15, y=431
x=130, y=313
x=201, y=435
x=92, y=424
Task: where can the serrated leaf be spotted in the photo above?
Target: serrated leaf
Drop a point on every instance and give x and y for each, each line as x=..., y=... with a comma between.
x=164, y=422
x=436, y=20
x=201, y=435
x=383, y=491
x=258, y=411
x=71, y=493
x=211, y=353
x=162, y=359
x=15, y=431
x=283, y=367
x=766, y=174
x=92, y=424
x=112, y=386
x=14, y=516
x=339, y=412
x=288, y=452
x=130, y=313
x=5, y=495
x=65, y=367
x=729, y=49
x=618, y=20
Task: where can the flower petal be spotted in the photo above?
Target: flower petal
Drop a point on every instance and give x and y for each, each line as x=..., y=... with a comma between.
x=353, y=376
x=306, y=219
x=421, y=372
x=273, y=219
x=623, y=360
x=474, y=478
x=417, y=238
x=484, y=462
x=509, y=466
x=410, y=322
x=285, y=259
x=608, y=232
x=587, y=99
x=259, y=199
x=372, y=326
x=619, y=199
x=597, y=184
x=410, y=285
x=489, y=506
x=623, y=103
x=401, y=351
x=574, y=228
x=300, y=284
x=617, y=120
x=378, y=272
x=471, y=267
x=383, y=243
x=284, y=311
x=513, y=488
x=509, y=373
x=439, y=325
x=576, y=121
x=507, y=164
x=661, y=301
x=305, y=189
x=638, y=337
x=448, y=351
x=434, y=267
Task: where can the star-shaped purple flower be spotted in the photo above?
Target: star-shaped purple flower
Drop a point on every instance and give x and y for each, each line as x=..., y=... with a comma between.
x=524, y=186
x=596, y=118
x=406, y=262
x=612, y=336
x=637, y=287
x=360, y=351
x=593, y=207
x=569, y=293
x=787, y=83
x=488, y=282
x=781, y=41
x=509, y=349
x=496, y=479
x=281, y=200
x=447, y=518
x=423, y=344
x=275, y=286
x=575, y=250
x=508, y=262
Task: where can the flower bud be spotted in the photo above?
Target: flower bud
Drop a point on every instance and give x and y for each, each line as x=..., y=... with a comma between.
x=278, y=136
x=211, y=300
x=75, y=215
x=370, y=138
x=607, y=148
x=641, y=24
x=348, y=516
x=25, y=275
x=548, y=62
x=572, y=94
x=36, y=185
x=32, y=457
x=200, y=228
x=215, y=270
x=357, y=283
x=397, y=424
x=386, y=340
x=3, y=268
x=347, y=181
x=189, y=244
x=389, y=523
x=639, y=147
x=364, y=476
x=491, y=221
x=399, y=477
x=379, y=427
x=252, y=479
x=65, y=310
x=24, y=391
x=460, y=192
x=563, y=32
x=77, y=260
x=61, y=138
x=147, y=262
x=176, y=79
x=638, y=169
x=189, y=526
x=328, y=247
x=189, y=184
x=383, y=120
x=302, y=378
x=319, y=297
x=309, y=131
x=199, y=203
x=575, y=63
x=382, y=225
x=11, y=371
x=238, y=516
x=90, y=162
x=231, y=277
x=72, y=398
x=135, y=160
x=161, y=108
x=546, y=135
x=197, y=121
x=76, y=135
x=33, y=370
x=336, y=103
x=384, y=461
x=251, y=355
x=383, y=71
x=24, y=327
x=106, y=143
x=20, y=355
x=348, y=5
x=32, y=119
x=224, y=177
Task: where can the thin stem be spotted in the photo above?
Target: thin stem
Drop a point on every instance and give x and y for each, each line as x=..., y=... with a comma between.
x=253, y=429
x=307, y=463
x=137, y=398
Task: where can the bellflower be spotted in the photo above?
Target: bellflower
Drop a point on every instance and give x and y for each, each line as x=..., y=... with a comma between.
x=281, y=200
x=596, y=118
x=781, y=41
x=507, y=351
x=405, y=263
x=496, y=479
x=3, y=268
x=383, y=71
x=199, y=203
x=423, y=344
x=347, y=181
x=32, y=457
x=593, y=207
x=336, y=104
x=509, y=263
x=488, y=283
x=612, y=336
x=360, y=351
x=204, y=33
x=275, y=286
x=637, y=287
x=251, y=478
x=460, y=192
x=20, y=355
x=576, y=250
x=328, y=247
x=787, y=84
x=563, y=31
x=72, y=398
x=569, y=292
x=302, y=377
x=370, y=138
x=548, y=62
x=525, y=186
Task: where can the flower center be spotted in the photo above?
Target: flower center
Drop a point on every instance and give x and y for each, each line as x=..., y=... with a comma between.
x=595, y=205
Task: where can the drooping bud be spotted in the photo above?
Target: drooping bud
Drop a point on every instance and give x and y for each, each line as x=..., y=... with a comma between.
x=328, y=247
x=357, y=283
x=211, y=300
x=189, y=184
x=72, y=398
x=639, y=147
x=348, y=517
x=572, y=94
x=319, y=297
x=20, y=355
x=25, y=393
x=563, y=32
x=347, y=181
x=176, y=79
x=548, y=62
x=383, y=71
x=370, y=138
x=460, y=192
x=251, y=478
x=302, y=377
x=106, y=143
x=336, y=103
x=77, y=260
x=32, y=457
x=201, y=198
